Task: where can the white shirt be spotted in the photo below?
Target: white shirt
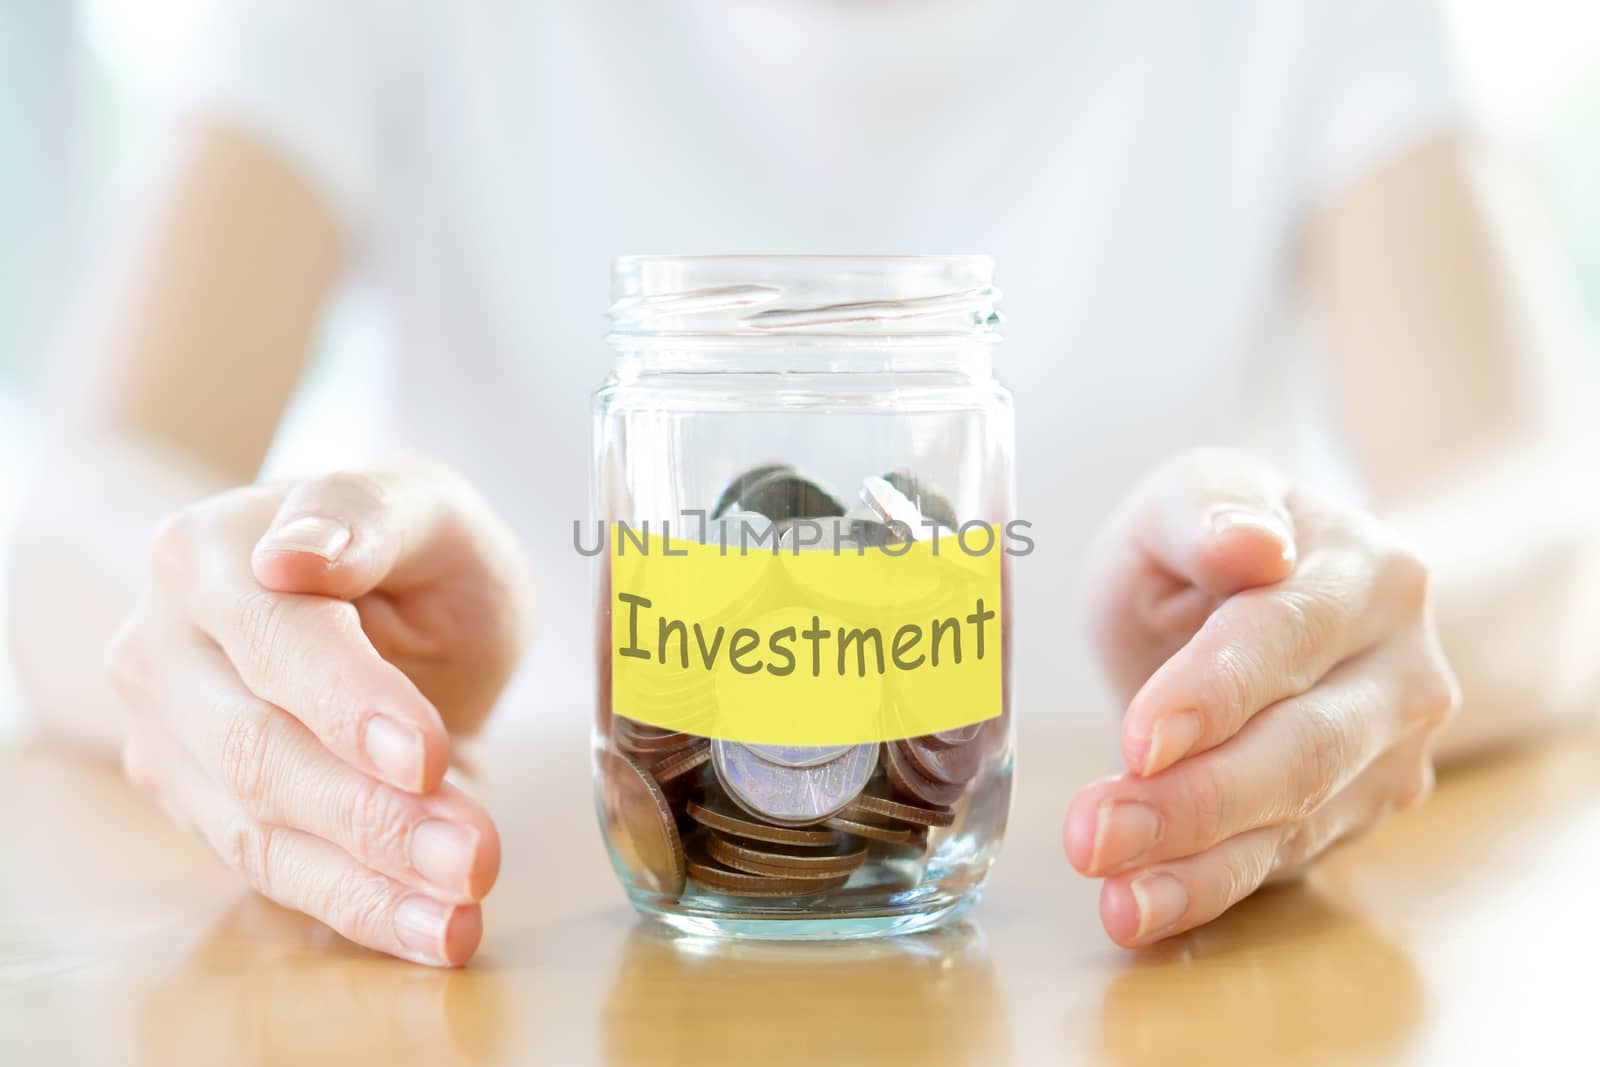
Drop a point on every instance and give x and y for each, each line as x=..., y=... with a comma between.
x=1138, y=169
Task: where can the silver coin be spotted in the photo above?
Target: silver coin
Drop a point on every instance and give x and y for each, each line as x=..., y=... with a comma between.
x=896, y=510
x=890, y=504
x=929, y=503
x=792, y=796
x=783, y=494
x=863, y=527
x=798, y=755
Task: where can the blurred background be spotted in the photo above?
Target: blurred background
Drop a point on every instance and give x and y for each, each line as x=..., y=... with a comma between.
x=82, y=90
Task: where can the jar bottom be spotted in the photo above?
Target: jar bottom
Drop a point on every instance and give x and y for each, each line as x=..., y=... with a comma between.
x=927, y=911
x=899, y=889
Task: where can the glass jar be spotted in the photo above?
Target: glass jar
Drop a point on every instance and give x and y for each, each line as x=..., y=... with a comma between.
x=803, y=494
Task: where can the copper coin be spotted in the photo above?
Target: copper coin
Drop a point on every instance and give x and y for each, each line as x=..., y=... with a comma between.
x=873, y=831
x=788, y=860
x=766, y=870
x=741, y=859
x=652, y=757
x=912, y=783
x=680, y=763
x=640, y=824
x=756, y=831
x=951, y=764
x=639, y=728
x=714, y=876
x=628, y=739
x=651, y=739
x=916, y=814
x=959, y=736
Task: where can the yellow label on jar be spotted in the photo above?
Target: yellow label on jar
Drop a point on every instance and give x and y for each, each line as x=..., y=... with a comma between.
x=810, y=648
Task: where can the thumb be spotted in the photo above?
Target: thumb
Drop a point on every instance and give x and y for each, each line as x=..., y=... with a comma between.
x=1219, y=519
x=342, y=535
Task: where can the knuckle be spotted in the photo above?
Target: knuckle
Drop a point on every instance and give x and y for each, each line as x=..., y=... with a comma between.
x=137, y=766
x=357, y=899
x=1295, y=845
x=1438, y=694
x=339, y=616
x=1407, y=578
x=330, y=716
x=1230, y=684
x=1305, y=622
x=379, y=822
x=1416, y=788
x=1317, y=768
x=246, y=756
x=351, y=900
x=172, y=547
x=127, y=666
x=246, y=846
x=1245, y=870
x=260, y=618
x=1204, y=796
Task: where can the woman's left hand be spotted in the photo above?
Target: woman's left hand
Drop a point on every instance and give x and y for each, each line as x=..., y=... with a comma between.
x=1284, y=682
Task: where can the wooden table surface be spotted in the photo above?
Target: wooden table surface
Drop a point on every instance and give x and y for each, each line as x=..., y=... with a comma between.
x=1464, y=932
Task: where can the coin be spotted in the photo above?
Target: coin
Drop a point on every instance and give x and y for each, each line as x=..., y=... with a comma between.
x=782, y=495
x=712, y=875
x=792, y=796
x=785, y=859
x=861, y=526
x=930, y=504
x=910, y=782
x=891, y=505
x=653, y=751
x=643, y=730
x=873, y=831
x=756, y=831
x=640, y=823
x=952, y=764
x=959, y=736
x=767, y=870
x=680, y=763
x=798, y=755
x=642, y=737
x=883, y=808
x=736, y=488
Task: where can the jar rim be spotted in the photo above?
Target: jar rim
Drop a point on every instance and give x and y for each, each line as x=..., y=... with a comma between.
x=912, y=297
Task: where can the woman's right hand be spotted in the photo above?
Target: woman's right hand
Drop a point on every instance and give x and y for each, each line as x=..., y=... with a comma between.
x=296, y=663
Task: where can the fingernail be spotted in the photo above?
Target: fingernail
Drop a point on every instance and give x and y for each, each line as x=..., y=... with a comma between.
x=395, y=749
x=443, y=852
x=1171, y=738
x=1161, y=900
x=420, y=923
x=309, y=533
x=1231, y=518
x=1124, y=831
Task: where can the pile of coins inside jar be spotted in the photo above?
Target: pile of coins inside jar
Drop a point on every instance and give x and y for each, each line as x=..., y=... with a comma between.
x=788, y=821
